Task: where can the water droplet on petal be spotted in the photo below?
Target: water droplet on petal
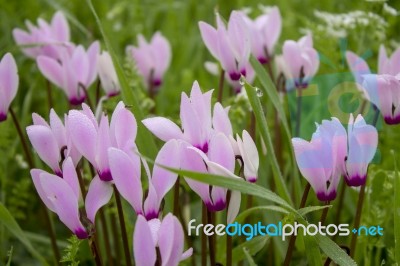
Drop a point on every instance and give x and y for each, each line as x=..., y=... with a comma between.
x=259, y=92
x=242, y=80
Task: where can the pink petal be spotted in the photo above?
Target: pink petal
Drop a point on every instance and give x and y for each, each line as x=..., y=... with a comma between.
x=221, y=152
x=152, y=203
x=190, y=123
x=52, y=70
x=383, y=61
x=202, y=104
x=35, y=173
x=58, y=129
x=292, y=56
x=234, y=206
x=71, y=177
x=83, y=135
x=123, y=127
x=43, y=141
x=162, y=179
x=163, y=128
x=59, y=193
x=126, y=175
x=92, y=54
x=99, y=194
x=162, y=54
x=60, y=27
x=170, y=240
x=357, y=65
x=103, y=143
x=8, y=81
x=273, y=29
x=38, y=120
x=210, y=38
x=221, y=122
x=144, y=248
x=239, y=36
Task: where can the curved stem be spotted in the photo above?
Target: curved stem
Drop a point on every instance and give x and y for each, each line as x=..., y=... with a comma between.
x=49, y=94
x=298, y=114
x=353, y=242
x=95, y=251
x=221, y=85
x=211, y=242
x=292, y=240
x=123, y=227
x=22, y=139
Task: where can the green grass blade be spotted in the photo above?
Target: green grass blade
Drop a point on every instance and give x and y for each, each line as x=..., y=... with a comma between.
x=9, y=222
x=396, y=212
x=240, y=218
x=262, y=126
x=333, y=251
x=249, y=258
x=312, y=251
x=145, y=143
x=306, y=210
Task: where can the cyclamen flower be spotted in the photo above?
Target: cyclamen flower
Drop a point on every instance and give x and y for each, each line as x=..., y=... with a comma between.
x=167, y=236
x=126, y=172
x=74, y=72
x=107, y=74
x=386, y=65
x=9, y=81
x=384, y=92
x=362, y=141
x=61, y=195
x=264, y=34
x=46, y=39
x=93, y=139
x=152, y=58
x=301, y=61
x=207, y=144
x=229, y=45
x=52, y=141
x=321, y=161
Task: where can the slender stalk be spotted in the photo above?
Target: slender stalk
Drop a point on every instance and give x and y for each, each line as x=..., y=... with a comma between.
x=360, y=203
x=176, y=198
x=49, y=94
x=228, y=237
x=340, y=205
x=211, y=242
x=298, y=114
x=95, y=251
x=81, y=181
x=292, y=240
x=203, y=237
x=114, y=229
x=98, y=92
x=47, y=217
x=22, y=139
x=221, y=85
x=324, y=214
x=123, y=227
x=103, y=221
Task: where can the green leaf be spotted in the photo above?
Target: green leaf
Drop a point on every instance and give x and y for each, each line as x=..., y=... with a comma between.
x=396, y=212
x=234, y=184
x=262, y=126
x=271, y=91
x=144, y=142
x=333, y=251
x=252, y=246
x=9, y=222
x=240, y=218
x=307, y=210
x=312, y=251
x=249, y=258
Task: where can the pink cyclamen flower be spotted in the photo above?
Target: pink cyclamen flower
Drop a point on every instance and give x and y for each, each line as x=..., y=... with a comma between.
x=386, y=65
x=249, y=155
x=208, y=140
x=8, y=84
x=74, y=72
x=107, y=74
x=61, y=195
x=167, y=236
x=230, y=44
x=264, y=34
x=301, y=60
x=321, y=161
x=46, y=39
x=152, y=58
x=384, y=92
x=52, y=141
x=362, y=141
x=93, y=139
x=126, y=172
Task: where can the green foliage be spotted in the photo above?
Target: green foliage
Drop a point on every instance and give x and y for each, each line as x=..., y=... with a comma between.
x=71, y=251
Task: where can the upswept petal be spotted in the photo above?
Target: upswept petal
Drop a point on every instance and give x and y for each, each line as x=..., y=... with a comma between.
x=144, y=248
x=163, y=128
x=170, y=240
x=99, y=194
